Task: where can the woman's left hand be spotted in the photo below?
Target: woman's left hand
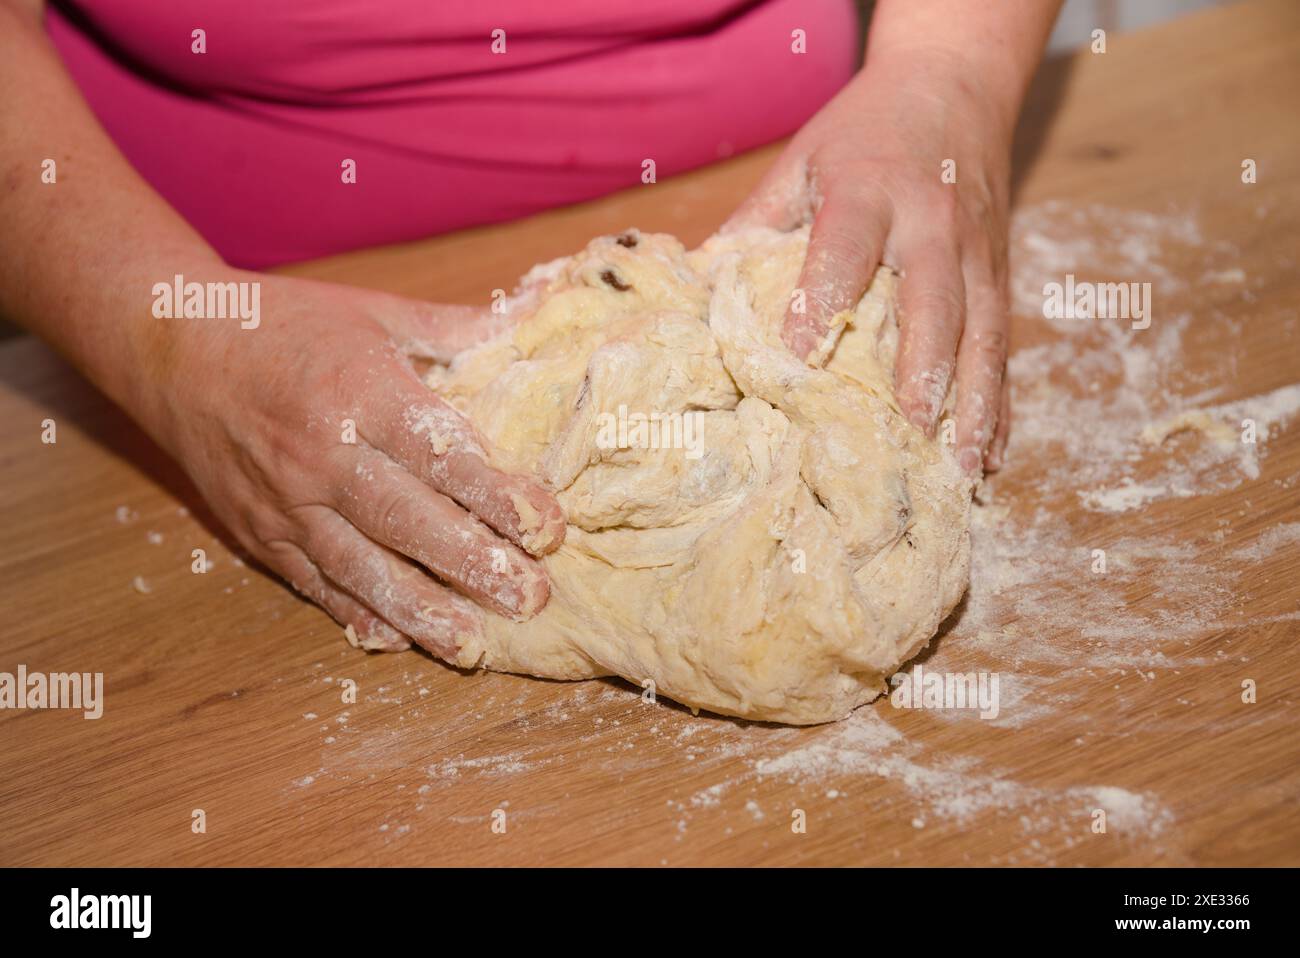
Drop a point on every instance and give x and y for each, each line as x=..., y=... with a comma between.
x=910, y=165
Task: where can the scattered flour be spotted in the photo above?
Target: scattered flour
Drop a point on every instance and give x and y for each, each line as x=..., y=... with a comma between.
x=1272, y=541
x=511, y=763
x=1105, y=416
x=955, y=788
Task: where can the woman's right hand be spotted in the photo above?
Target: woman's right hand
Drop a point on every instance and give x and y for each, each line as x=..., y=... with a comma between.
x=257, y=416
x=261, y=419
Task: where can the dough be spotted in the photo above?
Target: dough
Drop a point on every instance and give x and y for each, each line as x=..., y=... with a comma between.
x=757, y=537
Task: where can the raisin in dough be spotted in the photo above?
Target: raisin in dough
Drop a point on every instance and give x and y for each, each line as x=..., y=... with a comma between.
x=812, y=546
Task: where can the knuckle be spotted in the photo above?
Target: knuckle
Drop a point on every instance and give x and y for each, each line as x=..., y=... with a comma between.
x=388, y=508
x=352, y=567
x=857, y=193
x=263, y=525
x=991, y=346
x=940, y=303
x=838, y=246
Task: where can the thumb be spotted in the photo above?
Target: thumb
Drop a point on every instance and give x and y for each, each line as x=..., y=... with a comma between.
x=779, y=201
x=437, y=331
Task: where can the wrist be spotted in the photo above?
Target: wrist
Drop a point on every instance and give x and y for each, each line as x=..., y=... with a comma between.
x=144, y=352
x=989, y=52
x=950, y=80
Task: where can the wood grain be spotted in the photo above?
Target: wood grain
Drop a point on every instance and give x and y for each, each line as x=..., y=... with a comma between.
x=223, y=690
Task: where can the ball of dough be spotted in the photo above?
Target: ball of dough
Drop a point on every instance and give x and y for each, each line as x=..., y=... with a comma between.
x=754, y=535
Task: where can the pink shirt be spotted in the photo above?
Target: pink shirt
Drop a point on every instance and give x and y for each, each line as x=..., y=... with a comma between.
x=248, y=140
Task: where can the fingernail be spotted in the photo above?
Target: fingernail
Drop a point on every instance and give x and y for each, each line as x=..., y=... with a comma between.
x=539, y=533
x=521, y=588
x=381, y=637
x=446, y=633
x=969, y=460
x=534, y=591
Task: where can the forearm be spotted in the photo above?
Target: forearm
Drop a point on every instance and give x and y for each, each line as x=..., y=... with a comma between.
x=79, y=256
x=999, y=43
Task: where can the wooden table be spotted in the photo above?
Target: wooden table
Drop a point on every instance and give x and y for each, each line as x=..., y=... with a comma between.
x=1122, y=692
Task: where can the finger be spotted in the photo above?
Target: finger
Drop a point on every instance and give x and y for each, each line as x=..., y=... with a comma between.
x=932, y=311
x=368, y=630
x=779, y=201
x=998, y=449
x=438, y=619
x=438, y=445
x=981, y=358
x=844, y=250
x=362, y=628
x=397, y=510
